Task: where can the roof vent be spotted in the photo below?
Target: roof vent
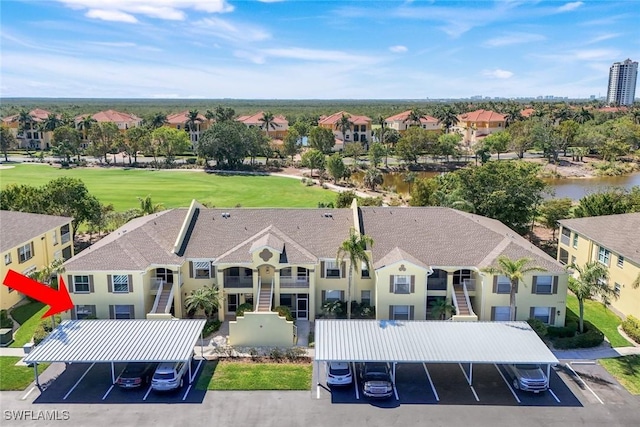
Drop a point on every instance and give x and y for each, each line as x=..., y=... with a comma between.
x=328, y=215
x=226, y=215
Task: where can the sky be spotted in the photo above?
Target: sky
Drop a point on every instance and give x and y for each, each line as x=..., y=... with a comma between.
x=297, y=49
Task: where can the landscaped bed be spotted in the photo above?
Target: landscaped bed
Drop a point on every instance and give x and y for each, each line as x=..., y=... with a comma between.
x=16, y=377
x=28, y=316
x=602, y=318
x=248, y=375
x=626, y=370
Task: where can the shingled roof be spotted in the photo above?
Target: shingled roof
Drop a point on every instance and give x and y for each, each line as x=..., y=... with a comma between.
x=20, y=227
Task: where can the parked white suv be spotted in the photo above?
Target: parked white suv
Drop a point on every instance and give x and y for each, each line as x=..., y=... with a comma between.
x=528, y=377
x=339, y=373
x=169, y=376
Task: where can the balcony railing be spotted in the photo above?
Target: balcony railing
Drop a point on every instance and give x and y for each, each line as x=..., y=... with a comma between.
x=157, y=284
x=66, y=237
x=469, y=284
x=294, y=282
x=238, y=281
x=437, y=284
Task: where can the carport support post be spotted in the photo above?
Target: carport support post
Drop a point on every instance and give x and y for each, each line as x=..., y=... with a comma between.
x=470, y=373
x=548, y=374
x=35, y=372
x=113, y=374
x=190, y=377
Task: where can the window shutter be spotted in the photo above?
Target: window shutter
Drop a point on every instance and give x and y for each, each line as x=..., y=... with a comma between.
x=323, y=296
x=390, y=312
x=552, y=321
x=191, y=269
x=112, y=312
x=91, y=288
x=213, y=271
x=33, y=253
x=555, y=284
x=493, y=313
x=132, y=311
x=343, y=269
x=413, y=284
x=534, y=284
x=411, y=312
x=495, y=284
x=109, y=283
x=73, y=313
x=130, y=282
x=322, y=270
x=531, y=312
x=70, y=283
x=391, y=284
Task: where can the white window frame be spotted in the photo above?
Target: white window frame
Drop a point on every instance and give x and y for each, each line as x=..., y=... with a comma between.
x=399, y=312
x=23, y=251
x=544, y=284
x=400, y=282
x=502, y=313
x=503, y=281
x=76, y=283
x=202, y=267
x=540, y=316
x=7, y=258
x=84, y=311
x=329, y=297
x=363, y=269
x=120, y=283
x=604, y=256
x=363, y=298
x=620, y=262
x=332, y=265
x=120, y=306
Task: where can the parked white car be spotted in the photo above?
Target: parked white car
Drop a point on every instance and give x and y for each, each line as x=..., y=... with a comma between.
x=169, y=376
x=528, y=377
x=339, y=373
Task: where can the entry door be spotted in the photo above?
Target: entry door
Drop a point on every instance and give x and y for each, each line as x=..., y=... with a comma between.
x=302, y=308
x=232, y=303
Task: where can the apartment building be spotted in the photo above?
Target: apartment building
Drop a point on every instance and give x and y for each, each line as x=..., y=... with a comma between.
x=401, y=122
x=29, y=242
x=272, y=257
x=359, y=130
x=179, y=121
x=124, y=121
x=622, y=83
x=277, y=129
x=477, y=124
x=611, y=240
x=31, y=136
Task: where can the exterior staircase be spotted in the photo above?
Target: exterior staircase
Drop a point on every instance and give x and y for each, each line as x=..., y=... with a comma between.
x=461, y=305
x=265, y=297
x=164, y=299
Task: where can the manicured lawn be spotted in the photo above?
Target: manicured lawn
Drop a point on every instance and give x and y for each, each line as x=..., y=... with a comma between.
x=176, y=188
x=255, y=376
x=626, y=370
x=16, y=377
x=28, y=316
x=603, y=318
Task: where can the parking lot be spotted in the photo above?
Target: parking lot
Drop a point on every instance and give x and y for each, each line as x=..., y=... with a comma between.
x=91, y=383
x=447, y=384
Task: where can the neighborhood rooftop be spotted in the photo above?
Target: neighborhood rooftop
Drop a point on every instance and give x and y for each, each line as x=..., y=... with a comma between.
x=20, y=227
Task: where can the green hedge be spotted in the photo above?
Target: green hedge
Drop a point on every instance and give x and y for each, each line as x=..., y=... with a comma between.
x=44, y=328
x=5, y=320
x=631, y=326
x=567, y=331
x=210, y=327
x=592, y=337
x=242, y=308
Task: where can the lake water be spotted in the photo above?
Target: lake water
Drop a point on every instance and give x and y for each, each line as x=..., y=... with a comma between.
x=574, y=188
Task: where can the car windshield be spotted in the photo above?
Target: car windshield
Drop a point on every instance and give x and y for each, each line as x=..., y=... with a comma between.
x=339, y=371
x=528, y=367
x=160, y=376
x=376, y=376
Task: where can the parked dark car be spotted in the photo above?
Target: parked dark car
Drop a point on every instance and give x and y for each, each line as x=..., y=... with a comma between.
x=136, y=375
x=376, y=380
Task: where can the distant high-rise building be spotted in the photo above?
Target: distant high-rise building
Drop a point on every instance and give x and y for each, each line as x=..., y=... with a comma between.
x=622, y=82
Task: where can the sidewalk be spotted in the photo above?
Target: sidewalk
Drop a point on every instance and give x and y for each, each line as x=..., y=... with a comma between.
x=597, y=353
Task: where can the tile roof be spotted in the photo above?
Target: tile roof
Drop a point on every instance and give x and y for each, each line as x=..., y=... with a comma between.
x=527, y=112
x=112, y=116
x=19, y=227
x=404, y=116
x=618, y=233
x=354, y=119
x=38, y=115
x=180, y=118
x=481, y=116
x=255, y=119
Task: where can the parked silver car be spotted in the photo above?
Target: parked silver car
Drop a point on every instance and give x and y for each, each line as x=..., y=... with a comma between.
x=169, y=376
x=339, y=373
x=376, y=380
x=528, y=377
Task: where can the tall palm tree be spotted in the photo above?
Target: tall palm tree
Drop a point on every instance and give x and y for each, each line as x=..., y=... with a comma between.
x=210, y=115
x=158, y=120
x=85, y=125
x=383, y=122
x=591, y=281
x=372, y=178
x=147, y=206
x=50, y=123
x=206, y=299
x=25, y=120
x=447, y=117
x=344, y=125
x=354, y=248
x=583, y=116
x=224, y=114
x=413, y=119
x=514, y=270
x=441, y=308
x=268, y=121
x=192, y=121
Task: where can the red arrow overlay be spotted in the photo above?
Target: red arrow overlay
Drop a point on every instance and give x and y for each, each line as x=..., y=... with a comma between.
x=57, y=300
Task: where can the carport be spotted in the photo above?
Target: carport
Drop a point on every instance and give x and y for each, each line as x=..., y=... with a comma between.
x=394, y=341
x=119, y=341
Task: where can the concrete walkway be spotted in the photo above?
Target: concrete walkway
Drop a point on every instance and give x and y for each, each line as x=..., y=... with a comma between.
x=7, y=351
x=595, y=353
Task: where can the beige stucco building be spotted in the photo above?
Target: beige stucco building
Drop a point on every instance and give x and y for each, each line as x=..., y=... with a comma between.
x=272, y=257
x=401, y=122
x=612, y=240
x=475, y=125
x=28, y=243
x=32, y=136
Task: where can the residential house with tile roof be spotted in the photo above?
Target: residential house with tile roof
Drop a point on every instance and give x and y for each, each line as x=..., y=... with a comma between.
x=475, y=125
x=277, y=130
x=32, y=136
x=287, y=257
x=360, y=129
x=124, y=121
x=612, y=240
x=401, y=122
x=29, y=242
x=179, y=121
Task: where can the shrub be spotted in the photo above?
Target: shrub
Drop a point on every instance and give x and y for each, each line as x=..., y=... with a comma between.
x=538, y=326
x=191, y=160
x=5, y=320
x=592, y=337
x=295, y=353
x=211, y=326
x=276, y=354
x=284, y=311
x=631, y=326
x=562, y=332
x=242, y=308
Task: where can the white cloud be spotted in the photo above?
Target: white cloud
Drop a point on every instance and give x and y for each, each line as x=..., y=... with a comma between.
x=318, y=55
x=111, y=15
x=398, y=49
x=270, y=1
x=126, y=10
x=115, y=44
x=227, y=30
x=498, y=74
x=513, y=38
x=603, y=37
x=567, y=7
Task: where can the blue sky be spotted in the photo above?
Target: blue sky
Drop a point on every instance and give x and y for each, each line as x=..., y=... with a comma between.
x=313, y=49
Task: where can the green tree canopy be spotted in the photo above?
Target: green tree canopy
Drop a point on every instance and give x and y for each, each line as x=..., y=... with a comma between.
x=313, y=159
x=322, y=139
x=336, y=167
x=226, y=142
x=553, y=210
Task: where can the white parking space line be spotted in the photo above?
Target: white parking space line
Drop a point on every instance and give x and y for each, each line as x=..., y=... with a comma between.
x=568, y=365
x=187, y=392
x=554, y=395
x=196, y=371
x=469, y=382
x=107, y=393
x=147, y=393
x=433, y=388
x=395, y=391
x=474, y=393
x=78, y=382
x=28, y=393
x=508, y=385
x=355, y=380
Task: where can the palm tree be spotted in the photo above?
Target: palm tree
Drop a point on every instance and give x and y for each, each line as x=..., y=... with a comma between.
x=383, y=122
x=192, y=121
x=514, y=271
x=413, y=119
x=85, y=125
x=373, y=178
x=354, y=248
x=46, y=274
x=158, y=120
x=50, y=123
x=147, y=206
x=591, y=281
x=206, y=299
x=344, y=125
x=583, y=116
x=267, y=120
x=447, y=116
x=224, y=114
x=24, y=120
x=210, y=115
x=441, y=308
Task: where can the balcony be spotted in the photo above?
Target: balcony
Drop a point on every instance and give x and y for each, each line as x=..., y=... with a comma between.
x=437, y=284
x=238, y=281
x=294, y=282
x=66, y=237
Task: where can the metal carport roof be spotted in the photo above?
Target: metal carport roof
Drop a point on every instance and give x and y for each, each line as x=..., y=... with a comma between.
x=429, y=341
x=135, y=340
